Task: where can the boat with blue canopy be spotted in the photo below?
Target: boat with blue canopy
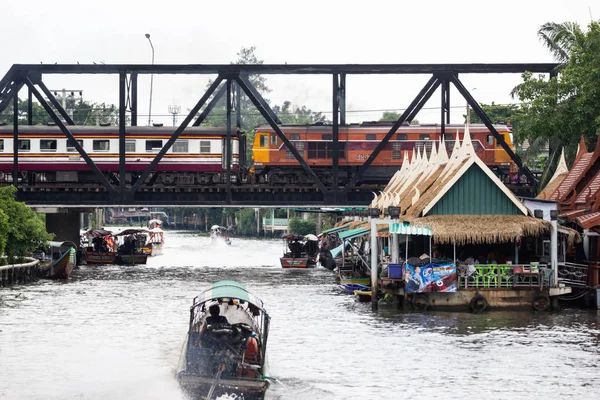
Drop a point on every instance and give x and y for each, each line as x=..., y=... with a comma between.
x=225, y=351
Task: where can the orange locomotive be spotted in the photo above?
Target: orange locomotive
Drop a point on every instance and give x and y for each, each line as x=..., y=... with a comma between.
x=275, y=164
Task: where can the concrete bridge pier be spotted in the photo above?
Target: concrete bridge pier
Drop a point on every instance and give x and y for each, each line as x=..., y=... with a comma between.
x=65, y=223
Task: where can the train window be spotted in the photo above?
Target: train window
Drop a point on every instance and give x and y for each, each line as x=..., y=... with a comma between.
x=263, y=140
x=153, y=145
x=326, y=136
x=424, y=136
x=371, y=136
x=71, y=145
x=490, y=139
x=401, y=136
x=295, y=136
x=448, y=136
x=289, y=155
x=180, y=146
x=101, y=145
x=396, y=155
x=396, y=146
x=24, y=144
x=273, y=139
x=204, y=146
x=48, y=145
x=129, y=146
x=324, y=150
x=299, y=146
x=1, y=144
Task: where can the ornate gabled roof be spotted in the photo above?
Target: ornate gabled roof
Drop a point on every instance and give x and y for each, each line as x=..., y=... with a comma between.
x=559, y=175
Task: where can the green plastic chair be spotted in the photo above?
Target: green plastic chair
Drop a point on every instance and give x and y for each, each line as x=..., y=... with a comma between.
x=490, y=278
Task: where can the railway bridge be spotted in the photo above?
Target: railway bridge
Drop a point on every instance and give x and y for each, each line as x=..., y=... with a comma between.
x=232, y=80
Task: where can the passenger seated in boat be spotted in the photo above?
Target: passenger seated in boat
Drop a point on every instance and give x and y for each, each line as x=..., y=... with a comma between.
x=215, y=317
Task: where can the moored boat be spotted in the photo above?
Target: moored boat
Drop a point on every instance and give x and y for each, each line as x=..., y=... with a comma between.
x=157, y=239
x=225, y=350
x=100, y=247
x=62, y=261
x=300, y=251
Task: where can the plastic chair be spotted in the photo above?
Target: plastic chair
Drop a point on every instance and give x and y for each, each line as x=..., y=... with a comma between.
x=490, y=278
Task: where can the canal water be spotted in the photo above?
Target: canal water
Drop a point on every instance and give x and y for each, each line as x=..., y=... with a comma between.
x=116, y=333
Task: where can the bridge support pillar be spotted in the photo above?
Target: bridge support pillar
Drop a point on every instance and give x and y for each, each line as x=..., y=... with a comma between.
x=64, y=225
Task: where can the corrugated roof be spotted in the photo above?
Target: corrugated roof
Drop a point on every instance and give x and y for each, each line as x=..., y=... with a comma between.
x=347, y=235
x=588, y=221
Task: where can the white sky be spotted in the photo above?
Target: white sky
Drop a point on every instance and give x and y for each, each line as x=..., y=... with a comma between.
x=325, y=31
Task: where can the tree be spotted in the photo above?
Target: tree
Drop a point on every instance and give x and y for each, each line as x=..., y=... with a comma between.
x=392, y=116
x=561, y=109
x=82, y=112
x=251, y=118
x=23, y=231
x=498, y=114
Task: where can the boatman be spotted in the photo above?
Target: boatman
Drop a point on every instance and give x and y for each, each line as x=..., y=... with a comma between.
x=215, y=317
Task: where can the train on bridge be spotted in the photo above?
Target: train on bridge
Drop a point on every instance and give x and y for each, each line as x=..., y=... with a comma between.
x=198, y=157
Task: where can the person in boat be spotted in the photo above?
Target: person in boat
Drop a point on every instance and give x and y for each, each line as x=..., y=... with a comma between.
x=215, y=317
x=296, y=248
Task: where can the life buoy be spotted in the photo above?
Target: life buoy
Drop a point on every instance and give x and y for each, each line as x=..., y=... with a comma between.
x=420, y=301
x=478, y=304
x=541, y=302
x=252, y=354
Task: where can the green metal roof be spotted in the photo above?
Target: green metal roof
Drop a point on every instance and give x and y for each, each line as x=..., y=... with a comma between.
x=336, y=229
x=351, y=234
x=404, y=228
x=229, y=290
x=475, y=194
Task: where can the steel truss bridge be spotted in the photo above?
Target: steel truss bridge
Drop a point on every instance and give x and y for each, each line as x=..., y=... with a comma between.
x=232, y=79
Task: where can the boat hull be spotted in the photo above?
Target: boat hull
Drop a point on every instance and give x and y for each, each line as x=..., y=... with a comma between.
x=61, y=268
x=99, y=257
x=294, y=262
x=157, y=249
x=131, y=259
x=198, y=386
x=355, y=281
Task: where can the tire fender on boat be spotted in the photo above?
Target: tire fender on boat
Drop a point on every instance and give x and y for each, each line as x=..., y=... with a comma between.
x=420, y=301
x=478, y=304
x=541, y=302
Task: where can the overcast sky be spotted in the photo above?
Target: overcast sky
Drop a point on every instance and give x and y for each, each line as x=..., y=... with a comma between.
x=324, y=31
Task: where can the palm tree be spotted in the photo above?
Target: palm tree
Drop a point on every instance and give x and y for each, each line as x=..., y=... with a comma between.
x=560, y=38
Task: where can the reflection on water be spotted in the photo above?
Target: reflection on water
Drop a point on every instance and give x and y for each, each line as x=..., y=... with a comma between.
x=115, y=332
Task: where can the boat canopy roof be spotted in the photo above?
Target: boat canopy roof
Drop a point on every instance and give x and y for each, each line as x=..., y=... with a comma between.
x=353, y=233
x=97, y=233
x=293, y=237
x=336, y=229
x=131, y=232
x=155, y=221
x=62, y=245
x=228, y=290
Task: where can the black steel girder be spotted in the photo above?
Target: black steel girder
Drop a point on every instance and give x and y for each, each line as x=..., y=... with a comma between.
x=413, y=108
x=488, y=123
x=69, y=135
x=177, y=133
x=266, y=112
x=54, y=102
x=314, y=69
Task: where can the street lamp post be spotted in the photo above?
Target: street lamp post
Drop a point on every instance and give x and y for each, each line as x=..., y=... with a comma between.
x=151, y=82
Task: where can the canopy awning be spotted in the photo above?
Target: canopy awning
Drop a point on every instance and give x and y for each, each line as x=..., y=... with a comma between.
x=353, y=233
x=229, y=290
x=336, y=229
x=404, y=228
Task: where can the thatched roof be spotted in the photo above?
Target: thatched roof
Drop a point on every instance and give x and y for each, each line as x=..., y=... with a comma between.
x=466, y=229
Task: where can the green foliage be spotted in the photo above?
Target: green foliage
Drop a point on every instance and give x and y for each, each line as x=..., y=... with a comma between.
x=498, y=114
x=21, y=229
x=298, y=115
x=302, y=227
x=392, y=116
x=561, y=109
x=83, y=112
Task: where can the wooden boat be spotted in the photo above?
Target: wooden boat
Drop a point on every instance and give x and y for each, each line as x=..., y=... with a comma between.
x=363, y=296
x=133, y=247
x=62, y=261
x=219, y=234
x=225, y=350
x=100, y=247
x=157, y=239
x=300, y=251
